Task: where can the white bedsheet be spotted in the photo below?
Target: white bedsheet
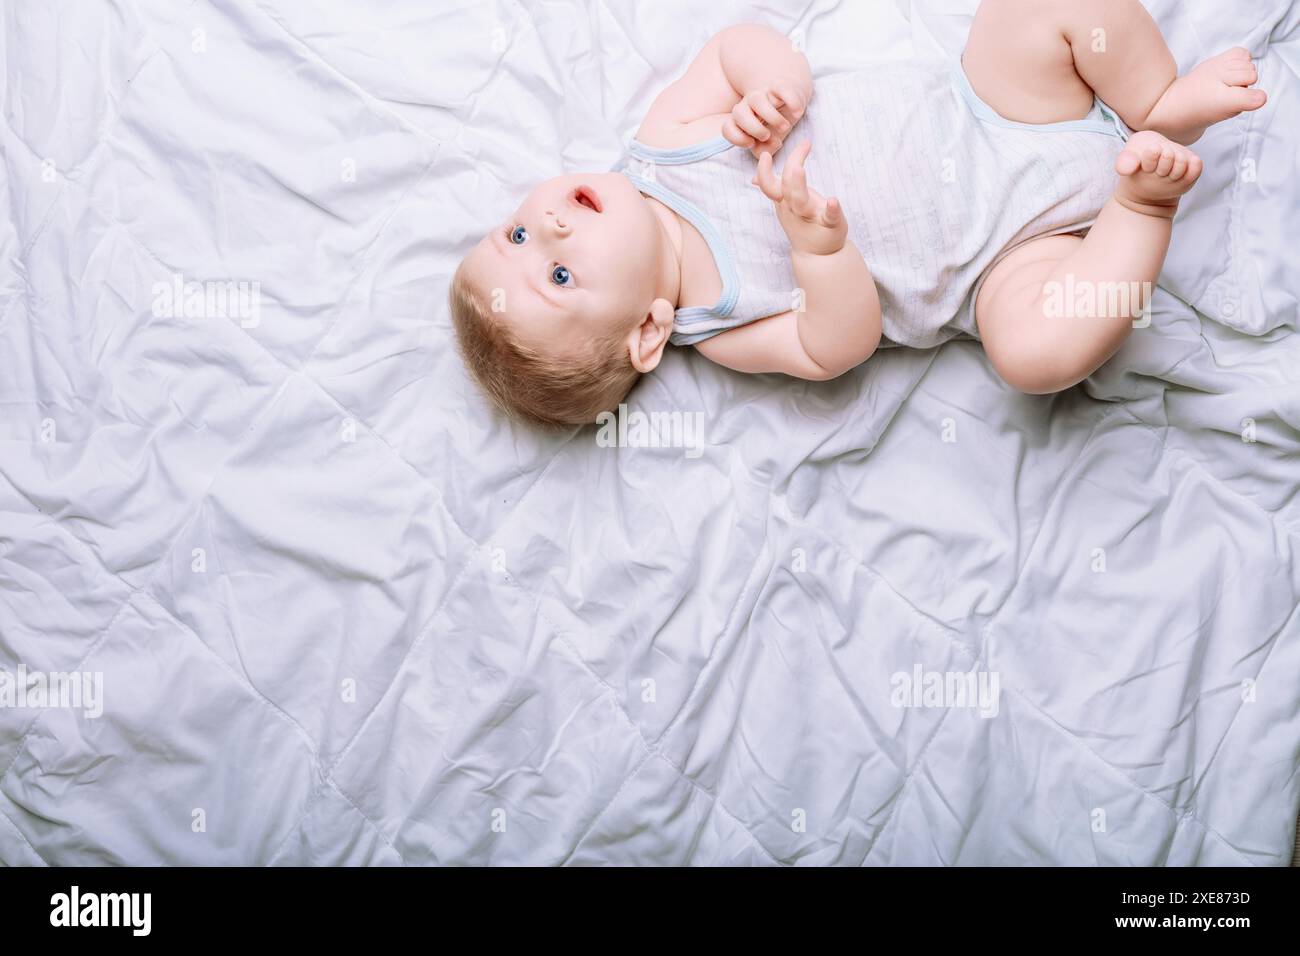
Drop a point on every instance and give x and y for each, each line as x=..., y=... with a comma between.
x=343, y=614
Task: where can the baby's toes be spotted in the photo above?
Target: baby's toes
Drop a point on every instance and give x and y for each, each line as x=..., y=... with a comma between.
x=1243, y=99
x=1150, y=158
x=1182, y=158
x=1165, y=165
x=1240, y=73
x=1236, y=55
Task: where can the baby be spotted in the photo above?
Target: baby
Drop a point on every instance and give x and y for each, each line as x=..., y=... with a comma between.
x=952, y=200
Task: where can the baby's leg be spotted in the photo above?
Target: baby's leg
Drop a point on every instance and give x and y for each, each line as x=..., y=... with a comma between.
x=1038, y=61
x=1051, y=312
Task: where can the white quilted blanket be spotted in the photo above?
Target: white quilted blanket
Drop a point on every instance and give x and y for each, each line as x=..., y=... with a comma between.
x=321, y=607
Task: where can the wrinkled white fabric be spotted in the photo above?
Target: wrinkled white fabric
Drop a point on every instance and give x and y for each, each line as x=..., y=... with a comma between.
x=343, y=614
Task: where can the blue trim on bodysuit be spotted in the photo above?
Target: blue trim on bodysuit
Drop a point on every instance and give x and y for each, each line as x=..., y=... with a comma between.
x=697, y=314
x=681, y=155
x=1101, y=119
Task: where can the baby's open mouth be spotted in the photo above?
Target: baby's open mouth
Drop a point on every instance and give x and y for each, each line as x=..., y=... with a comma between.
x=586, y=196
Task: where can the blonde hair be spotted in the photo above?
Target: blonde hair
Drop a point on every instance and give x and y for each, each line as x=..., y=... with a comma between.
x=528, y=385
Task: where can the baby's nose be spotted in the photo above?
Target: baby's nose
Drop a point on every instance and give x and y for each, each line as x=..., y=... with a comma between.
x=560, y=226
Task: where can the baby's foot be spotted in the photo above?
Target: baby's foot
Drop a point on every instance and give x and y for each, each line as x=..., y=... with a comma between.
x=1154, y=174
x=1214, y=91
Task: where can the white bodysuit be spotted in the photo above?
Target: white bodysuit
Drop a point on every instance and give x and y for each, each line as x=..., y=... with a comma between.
x=935, y=185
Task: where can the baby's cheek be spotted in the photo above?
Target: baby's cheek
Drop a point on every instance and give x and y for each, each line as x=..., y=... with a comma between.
x=619, y=309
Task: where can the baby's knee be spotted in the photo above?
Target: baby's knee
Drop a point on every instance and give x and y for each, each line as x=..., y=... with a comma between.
x=1035, y=365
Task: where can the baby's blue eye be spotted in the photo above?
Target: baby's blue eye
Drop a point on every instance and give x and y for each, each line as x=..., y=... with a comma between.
x=560, y=275
x=518, y=235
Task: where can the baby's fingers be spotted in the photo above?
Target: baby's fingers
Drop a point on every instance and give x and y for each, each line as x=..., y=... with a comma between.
x=792, y=103
x=762, y=105
x=832, y=213
x=735, y=135
x=766, y=181
x=745, y=118
x=794, y=181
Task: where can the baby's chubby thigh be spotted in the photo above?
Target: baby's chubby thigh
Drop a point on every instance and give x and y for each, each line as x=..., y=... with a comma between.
x=1019, y=63
x=1028, y=350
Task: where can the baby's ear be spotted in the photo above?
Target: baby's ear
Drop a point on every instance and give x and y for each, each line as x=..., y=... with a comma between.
x=646, y=342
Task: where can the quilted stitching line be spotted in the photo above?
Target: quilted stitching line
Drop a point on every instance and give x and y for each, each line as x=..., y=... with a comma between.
x=940, y=628
x=363, y=253
x=741, y=597
x=1161, y=433
x=292, y=371
x=364, y=257
x=334, y=785
x=700, y=681
x=843, y=548
x=645, y=758
x=142, y=589
x=419, y=640
x=475, y=550
x=361, y=92
x=1274, y=640
x=313, y=749
x=72, y=175
x=985, y=631
x=301, y=370
x=326, y=781
x=715, y=799
x=373, y=101
x=717, y=802
x=306, y=809
x=451, y=589
x=1072, y=472
x=30, y=727
x=1188, y=811
x=653, y=747
x=902, y=789
x=1115, y=771
x=360, y=269
x=560, y=635
x=65, y=182
x=650, y=748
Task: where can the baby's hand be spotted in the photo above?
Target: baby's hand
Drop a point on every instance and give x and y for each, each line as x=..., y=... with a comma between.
x=814, y=223
x=763, y=118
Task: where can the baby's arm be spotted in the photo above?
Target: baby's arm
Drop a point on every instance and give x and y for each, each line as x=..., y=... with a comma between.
x=749, y=83
x=838, y=326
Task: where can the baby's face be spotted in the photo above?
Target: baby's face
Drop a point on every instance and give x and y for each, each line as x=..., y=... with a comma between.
x=579, y=258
